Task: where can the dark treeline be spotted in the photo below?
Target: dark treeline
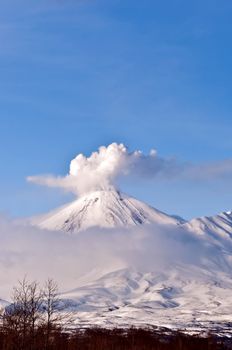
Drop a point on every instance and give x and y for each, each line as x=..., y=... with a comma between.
x=103, y=339
x=34, y=322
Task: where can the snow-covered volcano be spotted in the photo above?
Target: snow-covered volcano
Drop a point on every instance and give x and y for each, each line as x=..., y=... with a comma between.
x=103, y=209
x=169, y=273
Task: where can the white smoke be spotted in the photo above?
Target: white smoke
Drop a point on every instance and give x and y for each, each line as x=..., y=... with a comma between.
x=102, y=168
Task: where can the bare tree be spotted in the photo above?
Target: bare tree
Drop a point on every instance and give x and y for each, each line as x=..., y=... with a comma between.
x=50, y=307
x=34, y=320
x=54, y=317
x=24, y=314
x=34, y=308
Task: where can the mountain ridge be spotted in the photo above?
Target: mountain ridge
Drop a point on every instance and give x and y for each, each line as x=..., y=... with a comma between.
x=108, y=209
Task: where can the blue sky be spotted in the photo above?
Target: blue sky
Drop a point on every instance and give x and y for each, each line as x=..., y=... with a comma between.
x=79, y=74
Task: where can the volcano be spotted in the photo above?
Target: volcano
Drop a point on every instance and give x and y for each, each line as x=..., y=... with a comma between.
x=163, y=272
x=103, y=208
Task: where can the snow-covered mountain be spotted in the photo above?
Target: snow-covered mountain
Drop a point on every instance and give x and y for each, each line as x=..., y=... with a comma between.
x=103, y=209
x=191, y=299
x=217, y=226
x=168, y=273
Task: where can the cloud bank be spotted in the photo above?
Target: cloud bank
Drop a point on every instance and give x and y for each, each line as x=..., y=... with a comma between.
x=103, y=168
x=72, y=259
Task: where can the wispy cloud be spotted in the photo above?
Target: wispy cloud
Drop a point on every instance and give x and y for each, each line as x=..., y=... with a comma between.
x=103, y=168
x=210, y=170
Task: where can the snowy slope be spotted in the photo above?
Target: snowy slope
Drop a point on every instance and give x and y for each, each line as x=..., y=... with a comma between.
x=103, y=209
x=179, y=298
x=217, y=228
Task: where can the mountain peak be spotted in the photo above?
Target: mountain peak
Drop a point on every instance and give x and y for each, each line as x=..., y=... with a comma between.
x=103, y=208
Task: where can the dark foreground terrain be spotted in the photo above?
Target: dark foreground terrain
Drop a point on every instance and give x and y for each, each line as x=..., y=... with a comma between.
x=103, y=339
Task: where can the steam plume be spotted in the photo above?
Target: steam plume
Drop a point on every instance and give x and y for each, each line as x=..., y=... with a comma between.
x=101, y=169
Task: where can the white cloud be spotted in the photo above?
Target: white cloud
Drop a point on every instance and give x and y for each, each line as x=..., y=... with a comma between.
x=40, y=254
x=102, y=169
